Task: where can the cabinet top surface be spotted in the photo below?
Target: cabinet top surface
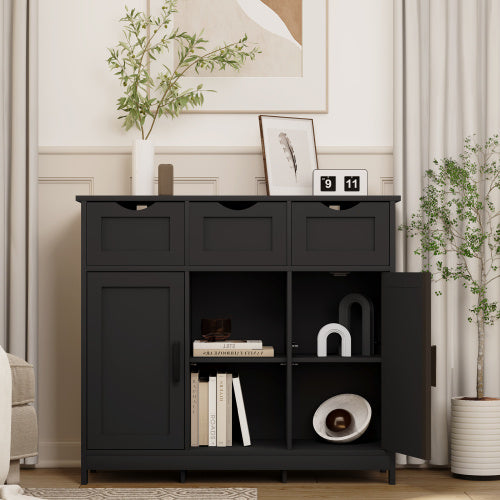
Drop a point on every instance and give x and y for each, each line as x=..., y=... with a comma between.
x=238, y=198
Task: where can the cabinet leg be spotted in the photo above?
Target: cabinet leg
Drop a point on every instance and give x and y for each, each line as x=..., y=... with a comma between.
x=182, y=476
x=284, y=476
x=392, y=475
x=85, y=476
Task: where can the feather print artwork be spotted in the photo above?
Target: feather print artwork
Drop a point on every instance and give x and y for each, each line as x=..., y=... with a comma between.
x=289, y=152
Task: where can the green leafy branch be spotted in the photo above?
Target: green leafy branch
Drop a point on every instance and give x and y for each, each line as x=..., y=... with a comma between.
x=458, y=217
x=146, y=38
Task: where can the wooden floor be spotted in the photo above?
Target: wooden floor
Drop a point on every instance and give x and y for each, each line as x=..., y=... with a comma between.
x=411, y=483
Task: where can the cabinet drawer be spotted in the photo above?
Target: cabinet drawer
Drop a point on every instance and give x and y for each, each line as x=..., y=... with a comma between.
x=356, y=235
x=120, y=234
x=237, y=233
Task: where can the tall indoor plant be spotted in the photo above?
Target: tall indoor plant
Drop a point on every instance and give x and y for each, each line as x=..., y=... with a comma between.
x=458, y=225
x=148, y=96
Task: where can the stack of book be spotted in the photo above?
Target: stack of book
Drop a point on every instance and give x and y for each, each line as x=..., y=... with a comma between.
x=232, y=348
x=212, y=410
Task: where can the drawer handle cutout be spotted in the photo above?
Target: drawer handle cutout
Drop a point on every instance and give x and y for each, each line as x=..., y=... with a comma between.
x=340, y=205
x=136, y=205
x=237, y=205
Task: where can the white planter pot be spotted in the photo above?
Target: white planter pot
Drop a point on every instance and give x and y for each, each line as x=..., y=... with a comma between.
x=143, y=167
x=475, y=437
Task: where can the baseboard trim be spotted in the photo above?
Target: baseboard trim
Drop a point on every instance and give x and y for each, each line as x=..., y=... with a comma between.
x=61, y=454
x=206, y=150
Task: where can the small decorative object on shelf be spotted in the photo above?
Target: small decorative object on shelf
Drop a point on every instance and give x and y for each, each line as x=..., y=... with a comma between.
x=342, y=418
x=165, y=179
x=345, y=308
x=216, y=329
x=340, y=182
x=345, y=339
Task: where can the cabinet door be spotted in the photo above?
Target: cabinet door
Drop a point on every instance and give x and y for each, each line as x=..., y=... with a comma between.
x=135, y=390
x=406, y=366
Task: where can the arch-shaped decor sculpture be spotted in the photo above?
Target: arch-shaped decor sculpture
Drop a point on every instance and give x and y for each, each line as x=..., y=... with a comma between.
x=366, y=304
x=345, y=339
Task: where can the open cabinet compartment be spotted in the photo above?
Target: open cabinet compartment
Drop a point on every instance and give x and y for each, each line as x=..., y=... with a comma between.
x=264, y=397
x=316, y=299
x=254, y=301
x=315, y=383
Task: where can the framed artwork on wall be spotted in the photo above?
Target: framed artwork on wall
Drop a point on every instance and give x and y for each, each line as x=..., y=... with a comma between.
x=289, y=150
x=288, y=76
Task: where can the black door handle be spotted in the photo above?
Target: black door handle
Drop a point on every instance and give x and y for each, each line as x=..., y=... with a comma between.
x=433, y=365
x=176, y=362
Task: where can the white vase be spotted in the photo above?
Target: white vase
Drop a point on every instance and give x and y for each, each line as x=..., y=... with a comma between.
x=475, y=437
x=143, y=167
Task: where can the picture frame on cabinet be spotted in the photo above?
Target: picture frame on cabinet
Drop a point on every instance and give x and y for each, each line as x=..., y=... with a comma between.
x=289, y=153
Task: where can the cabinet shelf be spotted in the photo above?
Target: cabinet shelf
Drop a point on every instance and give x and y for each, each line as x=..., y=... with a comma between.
x=336, y=359
x=299, y=447
x=315, y=446
x=280, y=359
x=258, y=447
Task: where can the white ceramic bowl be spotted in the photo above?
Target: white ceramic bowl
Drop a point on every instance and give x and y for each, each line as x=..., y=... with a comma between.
x=357, y=406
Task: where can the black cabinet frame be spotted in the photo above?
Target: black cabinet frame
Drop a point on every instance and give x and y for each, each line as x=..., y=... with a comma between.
x=187, y=259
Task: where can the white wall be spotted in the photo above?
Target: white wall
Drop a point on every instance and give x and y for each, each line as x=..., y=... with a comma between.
x=78, y=92
x=83, y=150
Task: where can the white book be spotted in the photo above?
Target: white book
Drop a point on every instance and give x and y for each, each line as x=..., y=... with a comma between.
x=203, y=413
x=228, y=344
x=212, y=411
x=242, y=416
x=221, y=409
x=229, y=415
x=265, y=352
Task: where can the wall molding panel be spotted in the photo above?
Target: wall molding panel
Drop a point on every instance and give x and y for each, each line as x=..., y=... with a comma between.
x=89, y=181
x=386, y=185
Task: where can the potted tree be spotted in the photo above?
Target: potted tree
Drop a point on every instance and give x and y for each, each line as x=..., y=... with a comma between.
x=458, y=226
x=147, y=96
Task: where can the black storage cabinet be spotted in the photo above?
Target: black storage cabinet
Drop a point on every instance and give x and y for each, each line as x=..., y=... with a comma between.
x=153, y=266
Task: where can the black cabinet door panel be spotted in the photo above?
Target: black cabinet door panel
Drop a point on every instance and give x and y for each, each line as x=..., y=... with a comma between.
x=406, y=367
x=357, y=235
x=120, y=235
x=134, y=330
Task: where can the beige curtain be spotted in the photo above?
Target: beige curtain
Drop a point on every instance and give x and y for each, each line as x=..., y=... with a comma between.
x=446, y=87
x=18, y=177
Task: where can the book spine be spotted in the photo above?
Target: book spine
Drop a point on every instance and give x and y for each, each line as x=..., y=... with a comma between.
x=248, y=344
x=221, y=409
x=203, y=413
x=212, y=411
x=265, y=352
x=242, y=416
x=194, y=409
x=229, y=406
